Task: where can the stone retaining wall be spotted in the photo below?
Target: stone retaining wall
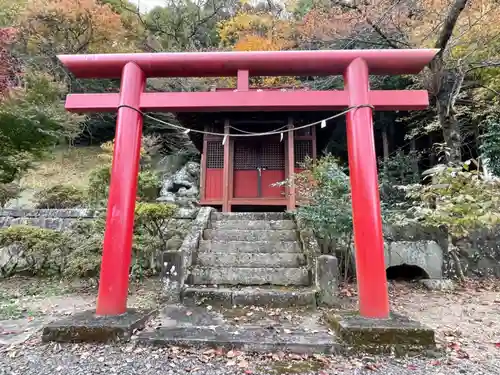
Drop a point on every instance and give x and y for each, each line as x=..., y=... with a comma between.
x=45, y=218
x=479, y=252
x=61, y=219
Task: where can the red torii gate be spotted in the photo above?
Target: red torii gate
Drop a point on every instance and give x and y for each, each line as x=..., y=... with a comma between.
x=355, y=65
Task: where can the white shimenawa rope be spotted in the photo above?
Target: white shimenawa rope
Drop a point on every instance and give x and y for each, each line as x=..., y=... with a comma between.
x=280, y=130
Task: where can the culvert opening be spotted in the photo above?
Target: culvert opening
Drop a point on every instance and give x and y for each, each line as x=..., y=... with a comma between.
x=406, y=272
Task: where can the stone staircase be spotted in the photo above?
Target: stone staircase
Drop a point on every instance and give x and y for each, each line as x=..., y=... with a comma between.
x=250, y=259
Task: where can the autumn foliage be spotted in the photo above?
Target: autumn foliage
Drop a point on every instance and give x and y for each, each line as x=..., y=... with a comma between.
x=254, y=30
x=463, y=82
x=8, y=69
x=73, y=26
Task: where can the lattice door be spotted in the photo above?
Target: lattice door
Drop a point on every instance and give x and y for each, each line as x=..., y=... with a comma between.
x=215, y=155
x=302, y=150
x=245, y=155
x=272, y=156
x=258, y=165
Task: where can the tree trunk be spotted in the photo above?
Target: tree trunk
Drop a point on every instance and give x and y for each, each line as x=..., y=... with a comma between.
x=451, y=131
x=385, y=143
x=414, y=161
x=444, y=83
x=432, y=155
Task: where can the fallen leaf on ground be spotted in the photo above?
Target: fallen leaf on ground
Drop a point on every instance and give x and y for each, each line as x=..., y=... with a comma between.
x=320, y=358
x=233, y=353
x=243, y=364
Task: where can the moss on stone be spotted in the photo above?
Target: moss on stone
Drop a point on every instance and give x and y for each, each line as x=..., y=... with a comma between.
x=87, y=327
x=396, y=334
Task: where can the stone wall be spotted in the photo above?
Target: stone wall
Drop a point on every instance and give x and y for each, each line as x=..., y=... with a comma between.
x=45, y=218
x=14, y=261
x=62, y=219
x=418, y=245
x=427, y=247
x=480, y=252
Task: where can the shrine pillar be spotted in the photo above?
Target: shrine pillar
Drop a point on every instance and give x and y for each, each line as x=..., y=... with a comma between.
x=290, y=162
x=117, y=251
x=226, y=174
x=367, y=220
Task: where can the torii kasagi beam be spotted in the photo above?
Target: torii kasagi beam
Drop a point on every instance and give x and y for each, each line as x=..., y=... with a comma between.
x=354, y=65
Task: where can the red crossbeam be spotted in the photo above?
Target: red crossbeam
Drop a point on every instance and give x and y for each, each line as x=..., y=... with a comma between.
x=261, y=63
x=230, y=101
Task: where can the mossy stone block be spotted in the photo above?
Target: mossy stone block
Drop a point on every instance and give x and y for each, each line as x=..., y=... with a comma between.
x=397, y=334
x=88, y=327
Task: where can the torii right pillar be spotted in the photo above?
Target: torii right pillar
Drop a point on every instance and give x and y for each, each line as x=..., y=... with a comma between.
x=367, y=219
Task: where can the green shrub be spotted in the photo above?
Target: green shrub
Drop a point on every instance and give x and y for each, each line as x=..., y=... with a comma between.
x=152, y=234
x=148, y=186
x=490, y=146
x=98, y=187
x=60, y=196
x=324, y=187
x=40, y=252
x=459, y=199
x=7, y=192
x=154, y=216
x=86, y=255
x=78, y=252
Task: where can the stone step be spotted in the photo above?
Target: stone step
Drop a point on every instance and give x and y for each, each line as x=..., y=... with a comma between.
x=249, y=247
x=249, y=276
x=197, y=326
x=249, y=296
x=256, y=260
x=250, y=216
x=251, y=339
x=249, y=235
x=254, y=224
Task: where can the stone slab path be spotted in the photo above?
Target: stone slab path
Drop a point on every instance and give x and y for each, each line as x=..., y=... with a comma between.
x=250, y=329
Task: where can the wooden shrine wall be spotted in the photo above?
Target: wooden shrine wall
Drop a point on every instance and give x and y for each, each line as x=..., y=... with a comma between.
x=213, y=152
x=247, y=156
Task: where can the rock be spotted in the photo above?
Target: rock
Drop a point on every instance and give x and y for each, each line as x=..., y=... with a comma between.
x=438, y=284
x=11, y=258
x=327, y=272
x=182, y=187
x=186, y=213
x=174, y=243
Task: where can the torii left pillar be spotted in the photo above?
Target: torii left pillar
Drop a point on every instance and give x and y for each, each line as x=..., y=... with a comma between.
x=366, y=215
x=113, y=285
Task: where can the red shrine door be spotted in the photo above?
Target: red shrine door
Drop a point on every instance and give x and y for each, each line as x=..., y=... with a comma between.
x=258, y=163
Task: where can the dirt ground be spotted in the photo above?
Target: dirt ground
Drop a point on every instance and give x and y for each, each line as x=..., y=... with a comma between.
x=467, y=320
x=26, y=304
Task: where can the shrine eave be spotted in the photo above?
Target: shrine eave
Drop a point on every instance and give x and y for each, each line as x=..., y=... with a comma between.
x=261, y=63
